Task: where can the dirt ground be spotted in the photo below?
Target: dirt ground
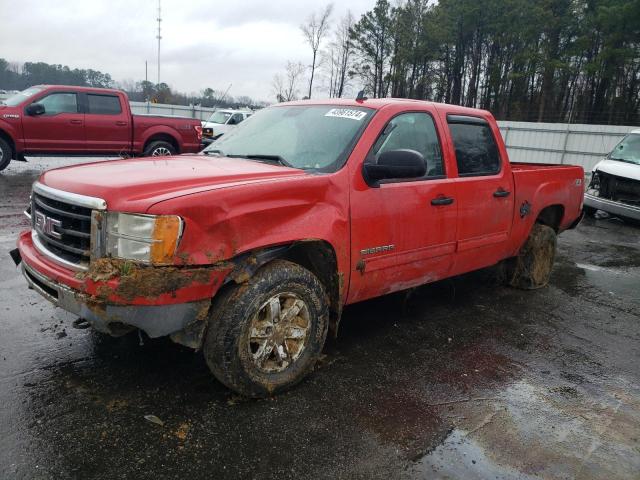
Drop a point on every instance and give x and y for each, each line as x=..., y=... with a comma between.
x=465, y=379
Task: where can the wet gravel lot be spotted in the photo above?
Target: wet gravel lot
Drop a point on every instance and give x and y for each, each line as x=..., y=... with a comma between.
x=462, y=379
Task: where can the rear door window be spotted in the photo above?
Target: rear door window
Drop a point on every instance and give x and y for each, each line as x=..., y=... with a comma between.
x=476, y=149
x=104, y=104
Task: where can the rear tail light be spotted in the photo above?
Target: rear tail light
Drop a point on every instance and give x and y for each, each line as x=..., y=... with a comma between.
x=198, y=131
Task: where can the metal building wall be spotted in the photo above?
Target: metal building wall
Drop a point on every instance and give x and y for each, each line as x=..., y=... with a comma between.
x=575, y=144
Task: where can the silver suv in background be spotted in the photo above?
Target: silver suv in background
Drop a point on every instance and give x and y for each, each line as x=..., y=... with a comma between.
x=221, y=122
x=615, y=181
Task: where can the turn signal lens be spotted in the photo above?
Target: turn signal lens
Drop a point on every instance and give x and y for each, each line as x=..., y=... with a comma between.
x=166, y=234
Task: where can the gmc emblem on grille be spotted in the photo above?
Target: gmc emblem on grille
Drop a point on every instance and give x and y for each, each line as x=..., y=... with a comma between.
x=47, y=225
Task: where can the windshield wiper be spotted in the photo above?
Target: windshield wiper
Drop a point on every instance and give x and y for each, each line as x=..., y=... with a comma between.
x=271, y=158
x=216, y=151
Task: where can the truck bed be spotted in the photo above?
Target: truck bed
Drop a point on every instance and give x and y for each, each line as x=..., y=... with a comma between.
x=523, y=166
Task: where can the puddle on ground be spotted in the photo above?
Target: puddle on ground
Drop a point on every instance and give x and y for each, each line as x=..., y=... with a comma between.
x=533, y=431
x=576, y=278
x=624, y=283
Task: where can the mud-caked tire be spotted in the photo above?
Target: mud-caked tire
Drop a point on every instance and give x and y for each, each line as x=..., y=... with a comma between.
x=531, y=269
x=6, y=154
x=266, y=334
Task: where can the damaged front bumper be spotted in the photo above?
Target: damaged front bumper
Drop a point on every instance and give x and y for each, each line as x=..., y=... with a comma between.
x=612, y=207
x=180, y=313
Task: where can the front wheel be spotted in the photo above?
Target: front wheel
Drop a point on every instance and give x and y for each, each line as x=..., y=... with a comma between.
x=6, y=153
x=266, y=335
x=532, y=267
x=159, y=148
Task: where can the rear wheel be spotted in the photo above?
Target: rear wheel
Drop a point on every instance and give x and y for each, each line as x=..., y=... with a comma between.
x=265, y=336
x=159, y=148
x=6, y=153
x=532, y=267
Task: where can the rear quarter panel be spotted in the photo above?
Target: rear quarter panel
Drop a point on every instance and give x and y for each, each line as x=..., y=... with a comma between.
x=542, y=186
x=181, y=129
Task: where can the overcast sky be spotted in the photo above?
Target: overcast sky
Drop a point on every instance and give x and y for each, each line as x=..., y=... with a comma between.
x=206, y=43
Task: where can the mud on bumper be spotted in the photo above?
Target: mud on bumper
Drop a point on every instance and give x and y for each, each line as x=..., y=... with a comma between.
x=184, y=322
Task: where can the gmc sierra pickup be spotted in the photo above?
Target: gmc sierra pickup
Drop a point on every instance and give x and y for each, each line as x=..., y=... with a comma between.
x=251, y=250
x=57, y=119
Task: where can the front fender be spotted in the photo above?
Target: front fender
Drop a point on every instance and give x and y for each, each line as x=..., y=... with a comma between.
x=223, y=223
x=12, y=127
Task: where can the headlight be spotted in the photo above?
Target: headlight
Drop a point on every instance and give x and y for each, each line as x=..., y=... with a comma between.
x=145, y=238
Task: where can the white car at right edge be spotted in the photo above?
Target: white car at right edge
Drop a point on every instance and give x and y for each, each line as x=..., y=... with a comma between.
x=615, y=181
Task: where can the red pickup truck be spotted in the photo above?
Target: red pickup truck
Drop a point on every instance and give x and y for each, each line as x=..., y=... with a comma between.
x=252, y=249
x=57, y=119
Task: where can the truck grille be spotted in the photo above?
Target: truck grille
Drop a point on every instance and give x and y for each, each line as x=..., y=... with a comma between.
x=616, y=188
x=62, y=225
x=64, y=229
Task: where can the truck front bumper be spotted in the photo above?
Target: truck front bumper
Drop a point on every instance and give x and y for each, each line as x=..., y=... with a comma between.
x=181, y=313
x=612, y=207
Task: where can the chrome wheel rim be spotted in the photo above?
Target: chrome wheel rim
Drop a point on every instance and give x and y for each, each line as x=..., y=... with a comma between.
x=278, y=332
x=161, y=152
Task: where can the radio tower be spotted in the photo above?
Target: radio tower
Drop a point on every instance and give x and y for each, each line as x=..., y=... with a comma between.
x=159, y=37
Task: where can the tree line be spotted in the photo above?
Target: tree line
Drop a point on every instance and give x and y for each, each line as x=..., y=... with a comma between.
x=572, y=61
x=16, y=76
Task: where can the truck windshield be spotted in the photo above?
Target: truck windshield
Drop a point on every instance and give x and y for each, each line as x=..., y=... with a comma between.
x=309, y=137
x=628, y=150
x=20, y=97
x=219, y=117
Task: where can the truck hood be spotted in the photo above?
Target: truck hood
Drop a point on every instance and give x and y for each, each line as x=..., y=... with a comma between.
x=620, y=169
x=134, y=185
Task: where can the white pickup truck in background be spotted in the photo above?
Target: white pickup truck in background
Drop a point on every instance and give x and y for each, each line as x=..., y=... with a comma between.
x=221, y=122
x=615, y=181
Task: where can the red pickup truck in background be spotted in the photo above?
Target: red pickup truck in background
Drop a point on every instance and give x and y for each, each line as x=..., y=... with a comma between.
x=57, y=119
x=251, y=250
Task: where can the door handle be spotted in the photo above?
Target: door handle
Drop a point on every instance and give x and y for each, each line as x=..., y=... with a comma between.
x=76, y=122
x=501, y=193
x=441, y=200
x=120, y=123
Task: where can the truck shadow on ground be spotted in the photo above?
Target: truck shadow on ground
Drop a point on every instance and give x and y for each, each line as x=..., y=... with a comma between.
x=396, y=361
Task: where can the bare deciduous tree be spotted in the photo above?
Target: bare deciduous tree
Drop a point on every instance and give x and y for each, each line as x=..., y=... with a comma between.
x=314, y=31
x=285, y=87
x=340, y=55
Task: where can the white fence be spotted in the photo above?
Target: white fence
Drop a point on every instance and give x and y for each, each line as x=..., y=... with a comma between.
x=574, y=144
x=201, y=113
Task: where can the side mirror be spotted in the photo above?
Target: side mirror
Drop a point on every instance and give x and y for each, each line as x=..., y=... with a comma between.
x=35, y=109
x=402, y=163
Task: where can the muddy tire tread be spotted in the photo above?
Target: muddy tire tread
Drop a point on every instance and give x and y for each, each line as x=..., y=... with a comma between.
x=231, y=312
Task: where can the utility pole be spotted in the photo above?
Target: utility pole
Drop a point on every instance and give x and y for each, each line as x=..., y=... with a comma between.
x=159, y=37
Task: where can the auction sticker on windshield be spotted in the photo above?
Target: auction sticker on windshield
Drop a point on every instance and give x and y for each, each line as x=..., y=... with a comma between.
x=346, y=113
